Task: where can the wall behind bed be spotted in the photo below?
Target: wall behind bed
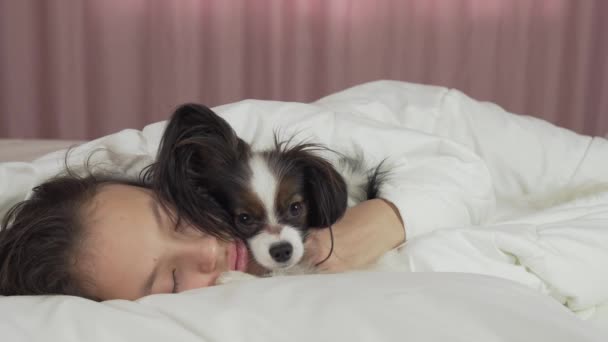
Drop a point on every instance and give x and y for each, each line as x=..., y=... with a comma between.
x=82, y=69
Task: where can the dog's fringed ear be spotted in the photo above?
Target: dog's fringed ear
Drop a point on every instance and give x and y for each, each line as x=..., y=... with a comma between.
x=327, y=193
x=196, y=145
x=199, y=143
x=194, y=125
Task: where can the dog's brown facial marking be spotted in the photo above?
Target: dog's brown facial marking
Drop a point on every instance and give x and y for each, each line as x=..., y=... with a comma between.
x=250, y=216
x=291, y=206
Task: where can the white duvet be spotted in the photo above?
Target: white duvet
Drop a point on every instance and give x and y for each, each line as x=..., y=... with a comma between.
x=477, y=188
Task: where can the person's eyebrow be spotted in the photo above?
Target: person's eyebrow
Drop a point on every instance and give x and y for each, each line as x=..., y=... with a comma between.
x=147, y=288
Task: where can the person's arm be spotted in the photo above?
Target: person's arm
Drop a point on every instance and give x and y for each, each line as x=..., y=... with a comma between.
x=363, y=235
x=524, y=154
x=432, y=181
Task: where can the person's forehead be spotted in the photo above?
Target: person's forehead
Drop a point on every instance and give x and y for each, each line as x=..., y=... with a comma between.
x=118, y=201
x=121, y=212
x=122, y=191
x=120, y=240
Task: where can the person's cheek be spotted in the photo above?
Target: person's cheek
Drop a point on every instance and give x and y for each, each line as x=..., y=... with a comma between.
x=198, y=280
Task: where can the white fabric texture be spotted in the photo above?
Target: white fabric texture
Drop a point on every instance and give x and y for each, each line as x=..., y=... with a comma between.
x=347, y=307
x=468, y=178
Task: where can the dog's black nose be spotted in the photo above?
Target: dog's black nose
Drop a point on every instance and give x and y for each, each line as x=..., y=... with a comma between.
x=281, y=251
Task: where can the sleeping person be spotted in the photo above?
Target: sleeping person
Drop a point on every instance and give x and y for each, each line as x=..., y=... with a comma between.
x=453, y=166
x=104, y=238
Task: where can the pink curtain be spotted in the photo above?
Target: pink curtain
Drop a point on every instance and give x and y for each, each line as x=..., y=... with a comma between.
x=82, y=69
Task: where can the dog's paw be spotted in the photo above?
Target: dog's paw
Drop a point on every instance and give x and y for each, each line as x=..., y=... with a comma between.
x=233, y=276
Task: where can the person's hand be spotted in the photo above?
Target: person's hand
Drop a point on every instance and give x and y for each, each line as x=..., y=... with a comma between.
x=363, y=235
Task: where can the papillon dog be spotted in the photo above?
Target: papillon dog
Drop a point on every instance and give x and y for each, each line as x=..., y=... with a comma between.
x=268, y=198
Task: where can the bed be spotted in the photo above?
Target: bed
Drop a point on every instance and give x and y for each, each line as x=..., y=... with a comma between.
x=26, y=150
x=536, y=270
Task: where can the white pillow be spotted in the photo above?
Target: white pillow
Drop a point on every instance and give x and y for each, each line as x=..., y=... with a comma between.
x=349, y=307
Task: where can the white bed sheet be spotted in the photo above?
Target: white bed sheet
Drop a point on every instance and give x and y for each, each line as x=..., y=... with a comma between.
x=366, y=307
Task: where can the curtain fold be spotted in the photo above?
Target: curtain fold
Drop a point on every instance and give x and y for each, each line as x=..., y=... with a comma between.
x=82, y=69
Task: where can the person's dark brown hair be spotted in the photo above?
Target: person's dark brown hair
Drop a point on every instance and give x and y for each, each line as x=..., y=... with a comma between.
x=41, y=236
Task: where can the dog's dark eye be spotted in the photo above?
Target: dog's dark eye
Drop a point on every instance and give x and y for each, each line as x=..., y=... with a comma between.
x=245, y=219
x=295, y=208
